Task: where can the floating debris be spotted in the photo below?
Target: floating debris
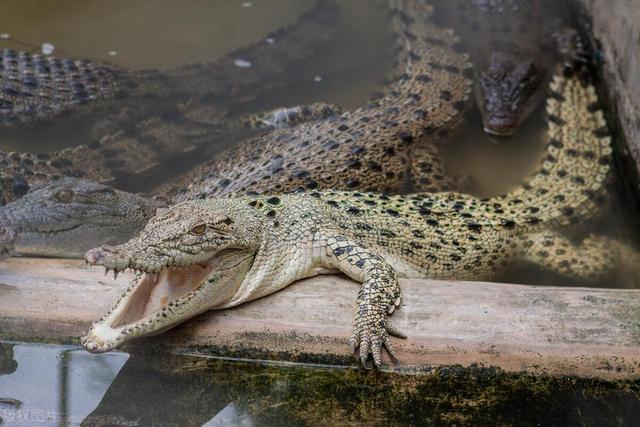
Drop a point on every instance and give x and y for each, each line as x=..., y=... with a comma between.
x=247, y=4
x=242, y=63
x=47, y=48
x=317, y=78
x=5, y=36
x=112, y=53
x=270, y=40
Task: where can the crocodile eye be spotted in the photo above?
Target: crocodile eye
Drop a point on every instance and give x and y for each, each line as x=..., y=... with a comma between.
x=64, y=196
x=199, y=229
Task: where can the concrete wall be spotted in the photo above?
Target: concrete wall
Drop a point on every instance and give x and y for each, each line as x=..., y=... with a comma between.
x=615, y=26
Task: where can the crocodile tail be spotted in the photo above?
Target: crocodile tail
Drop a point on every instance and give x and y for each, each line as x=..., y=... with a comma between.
x=570, y=182
x=432, y=77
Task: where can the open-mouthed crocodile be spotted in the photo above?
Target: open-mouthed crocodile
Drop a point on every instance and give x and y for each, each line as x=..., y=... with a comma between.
x=515, y=45
x=220, y=252
x=388, y=145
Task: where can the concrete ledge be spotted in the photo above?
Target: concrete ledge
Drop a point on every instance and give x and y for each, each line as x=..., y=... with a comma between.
x=544, y=330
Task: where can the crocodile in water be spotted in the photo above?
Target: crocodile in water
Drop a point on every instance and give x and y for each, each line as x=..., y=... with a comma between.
x=388, y=145
x=36, y=88
x=515, y=45
x=137, y=126
x=226, y=251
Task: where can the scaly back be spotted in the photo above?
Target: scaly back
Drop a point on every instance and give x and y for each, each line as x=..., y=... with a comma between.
x=368, y=148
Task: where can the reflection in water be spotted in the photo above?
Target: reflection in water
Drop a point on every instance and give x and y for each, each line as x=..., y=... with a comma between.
x=62, y=385
x=230, y=415
x=55, y=385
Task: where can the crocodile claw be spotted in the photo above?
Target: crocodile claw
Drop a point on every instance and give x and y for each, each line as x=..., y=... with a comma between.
x=371, y=333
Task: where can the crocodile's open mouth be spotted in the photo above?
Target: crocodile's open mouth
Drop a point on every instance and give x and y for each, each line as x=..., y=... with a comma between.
x=159, y=292
x=152, y=304
x=162, y=297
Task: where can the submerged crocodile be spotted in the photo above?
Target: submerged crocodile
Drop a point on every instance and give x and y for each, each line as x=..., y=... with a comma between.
x=141, y=118
x=388, y=145
x=220, y=252
x=39, y=88
x=64, y=219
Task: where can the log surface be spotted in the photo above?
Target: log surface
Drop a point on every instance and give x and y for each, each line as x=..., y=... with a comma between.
x=536, y=329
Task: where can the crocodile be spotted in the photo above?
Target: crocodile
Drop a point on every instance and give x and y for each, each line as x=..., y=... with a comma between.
x=137, y=125
x=220, y=252
x=64, y=218
x=388, y=145
x=514, y=45
x=36, y=88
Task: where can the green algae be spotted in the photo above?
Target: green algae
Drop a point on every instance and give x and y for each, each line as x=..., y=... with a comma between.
x=272, y=395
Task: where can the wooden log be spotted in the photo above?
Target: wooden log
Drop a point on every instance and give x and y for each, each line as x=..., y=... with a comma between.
x=544, y=330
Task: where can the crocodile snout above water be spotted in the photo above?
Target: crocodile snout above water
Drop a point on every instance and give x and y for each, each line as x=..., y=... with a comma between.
x=508, y=88
x=515, y=45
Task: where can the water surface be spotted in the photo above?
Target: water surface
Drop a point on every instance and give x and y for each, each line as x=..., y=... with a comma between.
x=50, y=385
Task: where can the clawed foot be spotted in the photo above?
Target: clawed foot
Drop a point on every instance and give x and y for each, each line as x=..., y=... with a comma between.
x=371, y=332
x=570, y=45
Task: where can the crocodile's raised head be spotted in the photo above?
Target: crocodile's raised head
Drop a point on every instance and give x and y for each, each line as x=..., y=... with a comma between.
x=7, y=239
x=508, y=89
x=187, y=260
x=67, y=217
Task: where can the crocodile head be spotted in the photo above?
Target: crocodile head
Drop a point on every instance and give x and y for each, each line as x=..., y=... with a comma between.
x=70, y=216
x=189, y=259
x=7, y=239
x=508, y=90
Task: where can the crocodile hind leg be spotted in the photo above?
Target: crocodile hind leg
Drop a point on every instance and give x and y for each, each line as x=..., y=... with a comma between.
x=377, y=299
x=595, y=258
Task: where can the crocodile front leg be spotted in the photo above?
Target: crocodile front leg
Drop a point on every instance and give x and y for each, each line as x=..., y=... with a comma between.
x=377, y=299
